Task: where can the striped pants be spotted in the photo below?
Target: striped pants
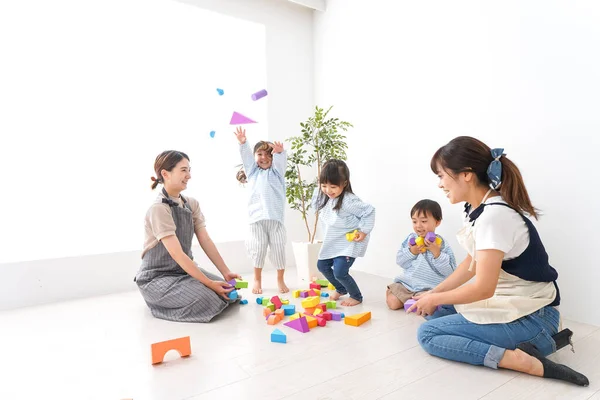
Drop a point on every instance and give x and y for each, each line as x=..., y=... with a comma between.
x=267, y=234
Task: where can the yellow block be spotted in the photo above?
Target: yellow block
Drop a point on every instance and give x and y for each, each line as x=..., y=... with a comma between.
x=351, y=235
x=357, y=319
x=317, y=292
x=285, y=301
x=296, y=294
x=312, y=321
x=295, y=316
x=317, y=311
x=421, y=242
x=310, y=302
x=330, y=287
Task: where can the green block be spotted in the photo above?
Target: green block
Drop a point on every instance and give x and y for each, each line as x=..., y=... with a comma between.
x=271, y=306
x=240, y=284
x=322, y=282
x=330, y=304
x=265, y=301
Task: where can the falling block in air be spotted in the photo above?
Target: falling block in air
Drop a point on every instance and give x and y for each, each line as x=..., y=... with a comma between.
x=357, y=319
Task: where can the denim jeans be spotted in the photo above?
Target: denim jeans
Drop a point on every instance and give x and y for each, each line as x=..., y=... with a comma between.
x=449, y=335
x=339, y=276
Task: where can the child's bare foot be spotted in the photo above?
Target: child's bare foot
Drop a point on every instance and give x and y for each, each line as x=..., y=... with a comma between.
x=350, y=302
x=336, y=295
x=282, y=286
x=257, y=288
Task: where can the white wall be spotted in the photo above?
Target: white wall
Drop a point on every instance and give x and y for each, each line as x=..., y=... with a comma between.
x=523, y=75
x=289, y=77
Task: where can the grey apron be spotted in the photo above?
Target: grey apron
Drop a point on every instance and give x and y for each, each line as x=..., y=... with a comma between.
x=168, y=290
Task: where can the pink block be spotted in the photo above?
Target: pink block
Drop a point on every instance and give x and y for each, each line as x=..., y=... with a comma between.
x=276, y=301
x=299, y=324
x=327, y=315
x=321, y=321
x=239, y=119
x=315, y=286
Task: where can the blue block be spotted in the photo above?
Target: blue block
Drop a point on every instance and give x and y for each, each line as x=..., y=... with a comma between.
x=244, y=301
x=259, y=301
x=233, y=295
x=324, y=294
x=278, y=337
x=288, y=309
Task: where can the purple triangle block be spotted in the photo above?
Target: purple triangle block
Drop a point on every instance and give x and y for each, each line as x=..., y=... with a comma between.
x=299, y=324
x=239, y=119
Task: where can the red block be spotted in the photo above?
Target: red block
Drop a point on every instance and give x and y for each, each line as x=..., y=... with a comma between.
x=275, y=300
x=322, y=306
x=312, y=293
x=326, y=316
x=315, y=286
x=321, y=321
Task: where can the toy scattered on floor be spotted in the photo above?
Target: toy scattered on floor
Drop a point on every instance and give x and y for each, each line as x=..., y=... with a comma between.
x=357, y=319
x=323, y=294
x=278, y=337
x=314, y=286
x=335, y=315
x=220, y=91
x=212, y=134
x=181, y=345
x=243, y=301
x=289, y=309
x=299, y=324
x=330, y=287
x=259, y=95
x=239, y=119
x=419, y=241
x=322, y=282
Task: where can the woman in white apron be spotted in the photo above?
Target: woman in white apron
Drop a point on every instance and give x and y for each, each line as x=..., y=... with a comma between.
x=506, y=317
x=172, y=284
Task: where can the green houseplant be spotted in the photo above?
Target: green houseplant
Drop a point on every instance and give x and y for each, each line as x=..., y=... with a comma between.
x=321, y=139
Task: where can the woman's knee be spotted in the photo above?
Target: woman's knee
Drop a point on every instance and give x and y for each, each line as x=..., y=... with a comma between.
x=425, y=333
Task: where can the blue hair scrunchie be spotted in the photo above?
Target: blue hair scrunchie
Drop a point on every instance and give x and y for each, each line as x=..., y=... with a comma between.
x=494, y=171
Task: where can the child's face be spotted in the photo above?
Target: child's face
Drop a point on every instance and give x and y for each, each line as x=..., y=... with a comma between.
x=423, y=223
x=332, y=191
x=263, y=158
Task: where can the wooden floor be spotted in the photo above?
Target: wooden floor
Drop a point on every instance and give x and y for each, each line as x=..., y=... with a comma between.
x=99, y=348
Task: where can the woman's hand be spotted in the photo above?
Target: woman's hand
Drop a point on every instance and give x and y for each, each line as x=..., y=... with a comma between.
x=221, y=288
x=231, y=275
x=426, y=304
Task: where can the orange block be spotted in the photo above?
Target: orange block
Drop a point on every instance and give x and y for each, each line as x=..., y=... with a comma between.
x=279, y=313
x=182, y=345
x=309, y=310
x=312, y=321
x=266, y=311
x=273, y=319
x=357, y=319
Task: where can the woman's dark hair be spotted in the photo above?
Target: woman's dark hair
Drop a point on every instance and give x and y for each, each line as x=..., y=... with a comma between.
x=467, y=154
x=262, y=145
x=334, y=172
x=427, y=206
x=166, y=160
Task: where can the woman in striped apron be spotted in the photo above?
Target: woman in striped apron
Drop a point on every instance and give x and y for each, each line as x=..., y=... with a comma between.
x=172, y=284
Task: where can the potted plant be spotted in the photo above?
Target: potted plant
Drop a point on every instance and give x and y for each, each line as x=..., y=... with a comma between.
x=321, y=139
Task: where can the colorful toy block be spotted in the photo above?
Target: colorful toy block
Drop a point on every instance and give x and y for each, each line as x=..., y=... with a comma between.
x=317, y=312
x=285, y=301
x=233, y=295
x=273, y=319
x=409, y=303
x=288, y=309
x=312, y=321
x=299, y=324
x=317, y=292
x=278, y=337
x=331, y=304
x=181, y=345
x=244, y=301
x=259, y=301
x=357, y=319
x=324, y=294
x=232, y=282
x=326, y=315
x=276, y=301
x=271, y=306
x=310, y=310
x=296, y=294
x=310, y=302
x=280, y=313
x=267, y=311
x=330, y=287
x=312, y=293
x=295, y=316
x=265, y=301
x=322, y=282
x=335, y=315
x=304, y=294
x=322, y=306
x=240, y=284
x=321, y=321
x=351, y=235
x=314, y=286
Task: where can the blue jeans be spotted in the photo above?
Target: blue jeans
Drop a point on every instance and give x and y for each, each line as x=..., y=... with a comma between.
x=339, y=276
x=449, y=335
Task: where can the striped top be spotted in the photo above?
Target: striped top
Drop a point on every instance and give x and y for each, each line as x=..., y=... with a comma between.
x=354, y=214
x=267, y=186
x=423, y=272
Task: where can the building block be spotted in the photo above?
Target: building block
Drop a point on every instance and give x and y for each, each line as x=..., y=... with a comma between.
x=419, y=241
x=321, y=321
x=233, y=295
x=314, y=286
x=317, y=312
x=326, y=315
x=312, y=293
x=285, y=301
x=278, y=337
x=310, y=302
x=258, y=95
x=331, y=305
x=310, y=310
x=276, y=301
x=244, y=301
x=181, y=345
x=273, y=319
x=295, y=316
x=322, y=306
x=280, y=313
x=288, y=309
x=317, y=292
x=259, y=301
x=311, y=321
x=271, y=306
x=324, y=294
x=220, y=91
x=231, y=282
x=343, y=315
x=267, y=311
x=357, y=319
x=330, y=287
x=296, y=294
x=239, y=119
x=265, y=301
x=299, y=324
x=304, y=294
x=240, y=284
x=335, y=315
x=322, y=282
x=409, y=303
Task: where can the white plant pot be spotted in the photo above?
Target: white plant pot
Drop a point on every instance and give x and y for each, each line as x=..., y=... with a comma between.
x=306, y=256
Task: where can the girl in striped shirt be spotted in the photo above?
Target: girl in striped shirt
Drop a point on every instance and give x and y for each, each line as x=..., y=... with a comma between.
x=424, y=266
x=341, y=211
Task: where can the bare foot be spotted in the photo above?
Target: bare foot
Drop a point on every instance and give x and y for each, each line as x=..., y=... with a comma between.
x=257, y=288
x=282, y=286
x=350, y=302
x=336, y=295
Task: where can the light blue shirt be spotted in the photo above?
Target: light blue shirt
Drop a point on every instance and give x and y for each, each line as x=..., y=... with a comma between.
x=423, y=272
x=354, y=214
x=267, y=186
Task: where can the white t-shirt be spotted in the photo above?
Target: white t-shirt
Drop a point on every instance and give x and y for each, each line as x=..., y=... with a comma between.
x=501, y=228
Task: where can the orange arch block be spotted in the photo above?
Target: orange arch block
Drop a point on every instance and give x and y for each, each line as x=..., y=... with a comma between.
x=182, y=345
